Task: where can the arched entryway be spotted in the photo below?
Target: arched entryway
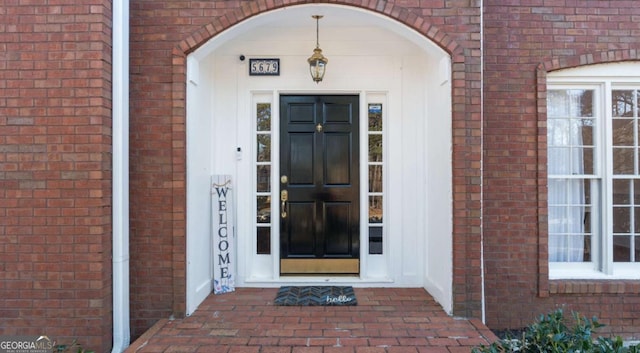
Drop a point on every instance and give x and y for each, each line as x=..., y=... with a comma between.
x=399, y=84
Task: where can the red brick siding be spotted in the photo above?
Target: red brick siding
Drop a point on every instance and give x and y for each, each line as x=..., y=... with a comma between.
x=55, y=170
x=522, y=40
x=163, y=32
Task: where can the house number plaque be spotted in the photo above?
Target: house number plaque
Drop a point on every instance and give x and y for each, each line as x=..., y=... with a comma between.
x=264, y=67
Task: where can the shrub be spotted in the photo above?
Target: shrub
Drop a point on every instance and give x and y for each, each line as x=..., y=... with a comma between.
x=552, y=334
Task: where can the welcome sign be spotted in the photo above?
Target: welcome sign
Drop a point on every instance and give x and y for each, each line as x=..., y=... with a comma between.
x=223, y=239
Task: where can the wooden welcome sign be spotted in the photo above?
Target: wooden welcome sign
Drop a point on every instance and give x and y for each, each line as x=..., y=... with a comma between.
x=222, y=229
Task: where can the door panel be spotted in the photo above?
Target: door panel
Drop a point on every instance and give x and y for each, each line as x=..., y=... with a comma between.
x=298, y=240
x=338, y=164
x=319, y=156
x=337, y=215
x=301, y=159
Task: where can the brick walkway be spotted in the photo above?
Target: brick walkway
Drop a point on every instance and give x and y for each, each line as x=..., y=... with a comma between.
x=386, y=320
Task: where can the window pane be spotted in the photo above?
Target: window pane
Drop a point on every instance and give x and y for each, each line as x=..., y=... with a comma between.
x=588, y=159
x=571, y=146
x=621, y=219
x=586, y=126
x=558, y=132
x=623, y=161
x=375, y=178
x=375, y=117
x=263, y=239
x=263, y=119
x=579, y=129
x=623, y=132
x=574, y=103
x=570, y=132
x=375, y=209
x=557, y=104
x=375, y=240
x=622, y=103
x=582, y=103
x=263, y=178
x=375, y=148
x=587, y=220
x=587, y=248
x=264, y=148
x=621, y=249
x=637, y=249
x=621, y=192
x=569, y=161
x=264, y=209
x=568, y=214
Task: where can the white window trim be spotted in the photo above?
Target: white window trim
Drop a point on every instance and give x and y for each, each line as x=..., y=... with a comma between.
x=602, y=78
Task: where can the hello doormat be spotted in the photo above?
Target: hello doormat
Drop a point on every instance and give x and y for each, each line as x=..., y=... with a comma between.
x=316, y=296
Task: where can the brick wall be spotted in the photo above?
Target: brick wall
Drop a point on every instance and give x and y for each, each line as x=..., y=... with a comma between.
x=55, y=164
x=524, y=39
x=163, y=32
x=55, y=170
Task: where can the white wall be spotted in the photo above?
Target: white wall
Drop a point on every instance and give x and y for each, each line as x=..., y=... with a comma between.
x=199, y=170
x=438, y=162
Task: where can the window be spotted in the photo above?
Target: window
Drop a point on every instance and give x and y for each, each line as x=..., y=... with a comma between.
x=593, y=150
x=263, y=178
x=375, y=166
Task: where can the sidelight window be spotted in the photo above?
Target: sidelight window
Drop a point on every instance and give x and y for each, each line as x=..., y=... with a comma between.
x=375, y=169
x=263, y=178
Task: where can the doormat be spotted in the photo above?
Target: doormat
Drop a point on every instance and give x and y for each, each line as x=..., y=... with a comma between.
x=315, y=296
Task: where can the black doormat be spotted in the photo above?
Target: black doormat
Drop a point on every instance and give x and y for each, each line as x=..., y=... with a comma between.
x=316, y=296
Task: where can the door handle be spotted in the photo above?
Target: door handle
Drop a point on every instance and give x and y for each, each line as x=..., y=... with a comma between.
x=284, y=197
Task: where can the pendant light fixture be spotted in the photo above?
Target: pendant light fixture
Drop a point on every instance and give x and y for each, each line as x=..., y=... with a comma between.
x=317, y=61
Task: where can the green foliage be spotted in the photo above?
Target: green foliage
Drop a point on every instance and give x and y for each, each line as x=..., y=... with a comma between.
x=73, y=347
x=552, y=334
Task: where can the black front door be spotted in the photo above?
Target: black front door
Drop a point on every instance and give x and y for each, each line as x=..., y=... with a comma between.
x=319, y=185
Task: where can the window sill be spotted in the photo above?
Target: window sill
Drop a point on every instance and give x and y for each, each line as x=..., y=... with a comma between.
x=586, y=271
x=576, y=279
